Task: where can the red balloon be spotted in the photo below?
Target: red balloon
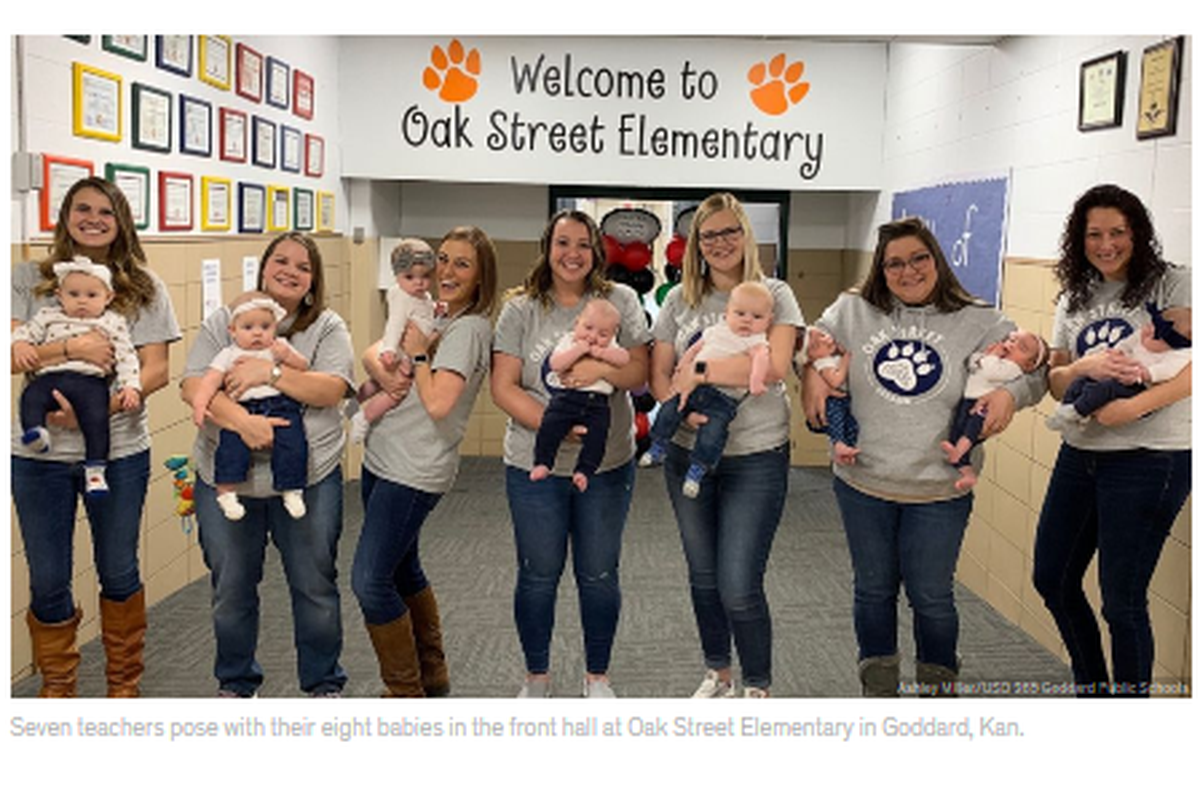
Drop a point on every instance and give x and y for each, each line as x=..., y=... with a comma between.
x=642, y=425
x=614, y=252
x=637, y=255
x=675, y=249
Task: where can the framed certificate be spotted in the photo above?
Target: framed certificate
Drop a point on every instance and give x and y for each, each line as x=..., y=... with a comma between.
x=96, y=103
x=278, y=208
x=174, y=201
x=252, y=207
x=134, y=183
x=249, y=73
x=303, y=199
x=214, y=61
x=59, y=174
x=314, y=155
x=289, y=149
x=325, y=211
x=216, y=204
x=1158, y=97
x=1102, y=92
x=174, y=54
x=195, y=126
x=302, y=94
x=262, y=142
x=151, y=118
x=233, y=135
x=277, y=82
x=129, y=46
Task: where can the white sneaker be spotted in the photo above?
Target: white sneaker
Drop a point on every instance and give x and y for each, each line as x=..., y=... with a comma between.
x=36, y=440
x=94, y=484
x=230, y=506
x=713, y=688
x=755, y=693
x=598, y=690
x=293, y=501
x=359, y=427
x=534, y=690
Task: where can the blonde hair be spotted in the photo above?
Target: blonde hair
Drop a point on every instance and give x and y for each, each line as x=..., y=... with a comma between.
x=696, y=281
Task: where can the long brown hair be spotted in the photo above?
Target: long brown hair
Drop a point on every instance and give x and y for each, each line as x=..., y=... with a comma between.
x=948, y=294
x=314, y=302
x=133, y=286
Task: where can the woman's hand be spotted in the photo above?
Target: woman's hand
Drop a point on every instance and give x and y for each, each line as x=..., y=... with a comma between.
x=257, y=431
x=93, y=347
x=814, y=391
x=1109, y=364
x=998, y=406
x=65, y=416
x=415, y=341
x=25, y=356
x=246, y=373
x=584, y=372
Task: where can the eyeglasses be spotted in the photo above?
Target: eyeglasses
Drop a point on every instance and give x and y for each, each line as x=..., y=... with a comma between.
x=726, y=234
x=918, y=262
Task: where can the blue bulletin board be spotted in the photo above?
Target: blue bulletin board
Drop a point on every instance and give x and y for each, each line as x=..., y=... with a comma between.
x=968, y=220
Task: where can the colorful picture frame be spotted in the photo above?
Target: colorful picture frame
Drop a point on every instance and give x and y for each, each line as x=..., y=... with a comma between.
x=215, y=57
x=216, y=203
x=135, y=47
x=151, y=118
x=1158, y=95
x=252, y=207
x=134, y=183
x=175, y=201
x=290, y=149
x=325, y=211
x=279, y=208
x=59, y=174
x=314, y=155
x=303, y=100
x=278, y=83
x=262, y=142
x=232, y=124
x=302, y=199
x=249, y=73
x=174, y=54
x=195, y=126
x=96, y=103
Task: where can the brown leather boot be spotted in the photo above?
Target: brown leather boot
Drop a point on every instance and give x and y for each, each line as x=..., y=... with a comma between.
x=427, y=629
x=880, y=676
x=123, y=631
x=935, y=680
x=55, y=654
x=396, y=651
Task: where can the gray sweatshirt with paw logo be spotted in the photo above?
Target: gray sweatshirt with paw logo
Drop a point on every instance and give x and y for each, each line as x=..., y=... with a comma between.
x=907, y=373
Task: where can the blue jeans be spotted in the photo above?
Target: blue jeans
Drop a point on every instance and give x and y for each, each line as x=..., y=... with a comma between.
x=546, y=516
x=916, y=544
x=727, y=534
x=711, y=437
x=1122, y=505
x=234, y=552
x=45, y=495
x=387, y=566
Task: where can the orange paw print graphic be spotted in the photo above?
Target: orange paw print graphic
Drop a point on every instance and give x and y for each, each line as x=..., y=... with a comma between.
x=778, y=89
x=452, y=75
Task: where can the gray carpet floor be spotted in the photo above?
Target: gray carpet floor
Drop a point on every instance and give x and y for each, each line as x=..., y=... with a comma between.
x=468, y=554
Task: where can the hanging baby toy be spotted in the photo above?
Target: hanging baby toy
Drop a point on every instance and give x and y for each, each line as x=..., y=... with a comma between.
x=183, y=481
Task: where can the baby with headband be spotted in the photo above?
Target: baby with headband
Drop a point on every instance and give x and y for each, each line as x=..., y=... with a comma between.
x=252, y=324
x=1018, y=353
x=84, y=292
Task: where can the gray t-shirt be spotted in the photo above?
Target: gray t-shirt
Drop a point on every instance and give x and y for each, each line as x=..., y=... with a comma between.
x=130, y=430
x=529, y=331
x=326, y=345
x=1101, y=325
x=409, y=447
x=762, y=421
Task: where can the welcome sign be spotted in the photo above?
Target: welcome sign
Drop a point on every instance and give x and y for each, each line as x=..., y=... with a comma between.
x=778, y=114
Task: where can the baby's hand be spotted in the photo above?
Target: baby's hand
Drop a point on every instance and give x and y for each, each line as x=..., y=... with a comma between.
x=25, y=356
x=129, y=398
x=280, y=350
x=388, y=360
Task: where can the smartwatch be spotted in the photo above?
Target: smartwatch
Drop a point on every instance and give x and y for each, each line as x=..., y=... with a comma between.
x=419, y=359
x=701, y=368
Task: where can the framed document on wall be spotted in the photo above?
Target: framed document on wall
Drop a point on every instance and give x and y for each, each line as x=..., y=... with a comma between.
x=1158, y=95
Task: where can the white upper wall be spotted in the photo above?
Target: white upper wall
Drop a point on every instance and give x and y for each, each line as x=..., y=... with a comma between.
x=956, y=112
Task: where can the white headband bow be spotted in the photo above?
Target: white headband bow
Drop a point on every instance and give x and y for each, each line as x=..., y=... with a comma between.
x=85, y=265
x=259, y=302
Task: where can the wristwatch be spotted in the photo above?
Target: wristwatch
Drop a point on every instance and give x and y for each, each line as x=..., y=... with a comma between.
x=276, y=374
x=420, y=358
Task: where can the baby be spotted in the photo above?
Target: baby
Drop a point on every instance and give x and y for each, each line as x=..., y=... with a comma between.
x=1160, y=350
x=1019, y=353
x=252, y=322
x=594, y=335
x=84, y=293
x=408, y=299
x=748, y=315
x=832, y=364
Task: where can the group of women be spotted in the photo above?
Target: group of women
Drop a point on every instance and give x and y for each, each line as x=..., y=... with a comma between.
x=1115, y=490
